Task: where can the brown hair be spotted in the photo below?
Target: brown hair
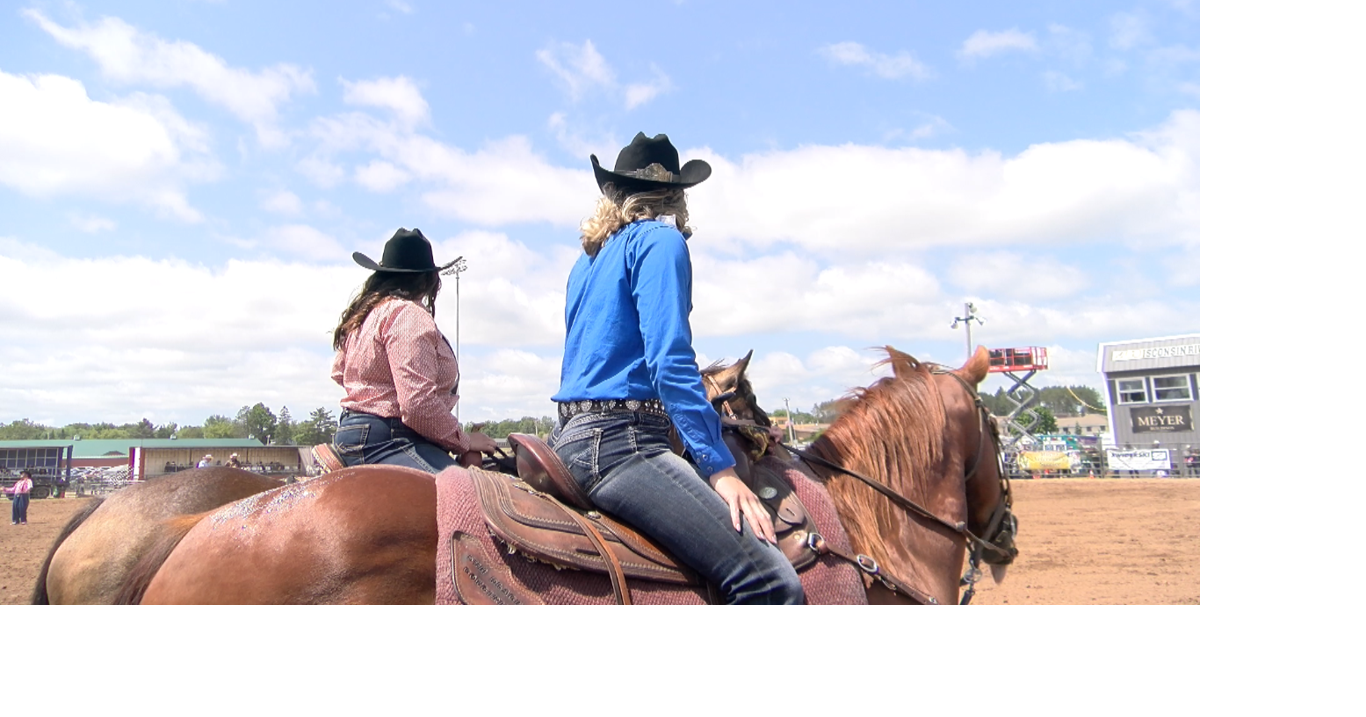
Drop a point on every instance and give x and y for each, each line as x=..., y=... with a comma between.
x=617, y=208
x=421, y=287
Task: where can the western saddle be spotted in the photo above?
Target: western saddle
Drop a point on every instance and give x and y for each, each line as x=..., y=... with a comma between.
x=543, y=514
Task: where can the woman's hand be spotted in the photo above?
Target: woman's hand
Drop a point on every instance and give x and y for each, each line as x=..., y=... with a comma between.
x=480, y=442
x=742, y=500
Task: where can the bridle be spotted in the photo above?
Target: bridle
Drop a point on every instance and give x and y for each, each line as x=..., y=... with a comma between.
x=998, y=548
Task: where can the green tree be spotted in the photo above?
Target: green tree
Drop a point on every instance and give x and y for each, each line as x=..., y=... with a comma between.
x=166, y=431
x=222, y=427
x=258, y=422
x=1047, y=422
x=143, y=429
x=190, y=432
x=320, y=427
x=284, y=428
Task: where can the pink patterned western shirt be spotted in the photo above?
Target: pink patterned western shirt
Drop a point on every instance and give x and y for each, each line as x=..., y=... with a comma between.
x=398, y=365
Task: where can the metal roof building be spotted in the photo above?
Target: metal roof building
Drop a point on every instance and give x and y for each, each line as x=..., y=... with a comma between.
x=1153, y=397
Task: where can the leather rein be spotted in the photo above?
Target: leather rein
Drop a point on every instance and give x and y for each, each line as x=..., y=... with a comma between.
x=999, y=547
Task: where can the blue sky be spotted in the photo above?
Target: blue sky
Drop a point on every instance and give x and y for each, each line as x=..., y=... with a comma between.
x=182, y=185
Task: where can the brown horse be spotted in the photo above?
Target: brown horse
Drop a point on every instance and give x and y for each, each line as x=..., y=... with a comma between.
x=369, y=534
x=91, y=558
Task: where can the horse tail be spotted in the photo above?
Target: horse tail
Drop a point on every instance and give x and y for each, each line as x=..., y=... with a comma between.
x=40, y=588
x=142, y=572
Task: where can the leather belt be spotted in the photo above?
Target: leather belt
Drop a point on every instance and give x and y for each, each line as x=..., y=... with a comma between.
x=573, y=408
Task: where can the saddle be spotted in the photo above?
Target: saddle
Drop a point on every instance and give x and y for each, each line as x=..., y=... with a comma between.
x=543, y=514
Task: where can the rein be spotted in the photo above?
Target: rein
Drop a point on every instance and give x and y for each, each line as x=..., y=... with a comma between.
x=1001, y=528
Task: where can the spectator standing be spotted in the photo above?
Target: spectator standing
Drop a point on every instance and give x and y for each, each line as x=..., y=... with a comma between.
x=206, y=461
x=20, y=491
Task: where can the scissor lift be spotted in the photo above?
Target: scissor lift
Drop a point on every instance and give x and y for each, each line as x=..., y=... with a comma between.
x=1011, y=362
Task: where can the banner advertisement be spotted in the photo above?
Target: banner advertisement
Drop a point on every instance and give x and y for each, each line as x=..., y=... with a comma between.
x=1155, y=459
x=1044, y=461
x=1161, y=419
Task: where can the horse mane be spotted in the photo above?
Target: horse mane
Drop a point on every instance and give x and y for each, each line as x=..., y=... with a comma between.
x=142, y=572
x=40, y=596
x=893, y=432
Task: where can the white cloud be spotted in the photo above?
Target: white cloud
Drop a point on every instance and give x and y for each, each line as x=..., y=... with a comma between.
x=583, y=70
x=400, y=6
x=1143, y=189
x=400, y=95
x=64, y=143
x=1071, y=45
x=642, y=92
x=1129, y=30
x=892, y=67
x=282, y=201
x=1012, y=275
x=1058, y=82
x=984, y=43
x=92, y=224
x=580, y=67
x=129, y=55
x=381, y=176
x=302, y=241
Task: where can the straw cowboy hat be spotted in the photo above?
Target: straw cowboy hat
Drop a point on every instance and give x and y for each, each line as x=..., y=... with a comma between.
x=406, y=252
x=650, y=163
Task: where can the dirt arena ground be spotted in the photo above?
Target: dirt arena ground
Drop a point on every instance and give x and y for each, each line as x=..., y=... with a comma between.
x=1082, y=542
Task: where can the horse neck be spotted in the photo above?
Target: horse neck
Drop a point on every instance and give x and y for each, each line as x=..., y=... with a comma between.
x=926, y=555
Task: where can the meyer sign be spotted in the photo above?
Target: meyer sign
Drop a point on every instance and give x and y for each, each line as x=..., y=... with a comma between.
x=1159, y=352
x=1161, y=419
x=1157, y=459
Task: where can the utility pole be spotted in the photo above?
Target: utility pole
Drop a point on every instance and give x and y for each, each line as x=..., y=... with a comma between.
x=969, y=315
x=791, y=430
x=457, y=269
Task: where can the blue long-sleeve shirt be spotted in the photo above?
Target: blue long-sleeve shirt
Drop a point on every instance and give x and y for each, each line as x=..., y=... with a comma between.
x=627, y=334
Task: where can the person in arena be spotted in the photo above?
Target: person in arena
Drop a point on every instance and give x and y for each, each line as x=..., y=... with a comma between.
x=629, y=374
x=398, y=370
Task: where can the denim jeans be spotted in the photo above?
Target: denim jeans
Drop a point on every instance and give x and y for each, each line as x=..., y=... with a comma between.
x=623, y=462
x=19, y=511
x=363, y=439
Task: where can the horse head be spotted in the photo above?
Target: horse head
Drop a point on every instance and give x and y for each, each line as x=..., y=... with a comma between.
x=729, y=389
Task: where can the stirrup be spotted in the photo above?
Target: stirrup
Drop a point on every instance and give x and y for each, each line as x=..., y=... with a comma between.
x=326, y=458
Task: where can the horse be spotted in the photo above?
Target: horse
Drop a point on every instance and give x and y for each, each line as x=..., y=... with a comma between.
x=92, y=556
x=368, y=534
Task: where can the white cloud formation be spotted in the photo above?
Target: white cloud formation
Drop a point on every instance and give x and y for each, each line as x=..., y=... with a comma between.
x=892, y=67
x=1129, y=30
x=400, y=95
x=985, y=43
x=1012, y=275
x=303, y=241
x=64, y=143
x=132, y=56
x=1058, y=82
x=381, y=176
x=92, y=224
x=583, y=70
x=282, y=201
x=1144, y=188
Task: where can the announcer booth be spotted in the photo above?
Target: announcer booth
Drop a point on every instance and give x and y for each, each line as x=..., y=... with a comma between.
x=1153, y=396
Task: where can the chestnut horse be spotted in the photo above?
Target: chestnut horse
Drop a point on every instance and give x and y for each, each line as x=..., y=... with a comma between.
x=92, y=556
x=369, y=534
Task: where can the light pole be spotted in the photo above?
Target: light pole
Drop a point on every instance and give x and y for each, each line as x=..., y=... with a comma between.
x=791, y=431
x=457, y=268
x=969, y=315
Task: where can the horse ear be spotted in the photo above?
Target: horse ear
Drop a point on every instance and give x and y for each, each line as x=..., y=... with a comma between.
x=729, y=377
x=903, y=364
x=976, y=367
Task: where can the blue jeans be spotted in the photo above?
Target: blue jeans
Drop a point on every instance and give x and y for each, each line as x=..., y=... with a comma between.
x=363, y=439
x=19, y=511
x=623, y=462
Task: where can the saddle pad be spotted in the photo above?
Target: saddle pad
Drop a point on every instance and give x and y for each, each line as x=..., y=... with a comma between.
x=463, y=530
x=528, y=521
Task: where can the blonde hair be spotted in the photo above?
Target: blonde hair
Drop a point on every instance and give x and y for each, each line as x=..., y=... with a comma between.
x=616, y=209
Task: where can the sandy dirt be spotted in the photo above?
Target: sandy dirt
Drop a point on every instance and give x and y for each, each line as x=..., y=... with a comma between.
x=1082, y=542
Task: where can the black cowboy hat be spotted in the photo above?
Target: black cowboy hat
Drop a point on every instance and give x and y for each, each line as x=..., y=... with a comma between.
x=406, y=252
x=650, y=163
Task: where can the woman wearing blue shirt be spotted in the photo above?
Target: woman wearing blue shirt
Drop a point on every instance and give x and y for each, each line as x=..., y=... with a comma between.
x=630, y=373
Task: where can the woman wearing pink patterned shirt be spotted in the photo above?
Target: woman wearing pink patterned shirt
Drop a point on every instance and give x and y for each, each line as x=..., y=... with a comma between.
x=399, y=371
